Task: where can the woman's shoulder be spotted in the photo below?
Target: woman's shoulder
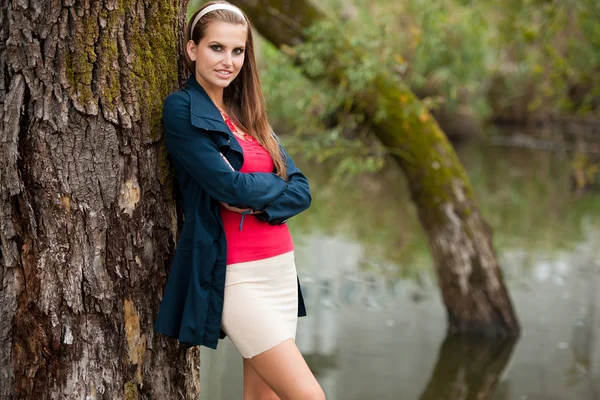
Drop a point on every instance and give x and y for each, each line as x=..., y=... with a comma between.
x=177, y=100
x=176, y=110
x=177, y=106
x=179, y=110
x=181, y=103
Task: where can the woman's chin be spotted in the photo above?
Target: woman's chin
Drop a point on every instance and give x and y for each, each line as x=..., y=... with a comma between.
x=222, y=83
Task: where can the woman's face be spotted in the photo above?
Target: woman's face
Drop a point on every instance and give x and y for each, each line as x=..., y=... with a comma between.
x=219, y=55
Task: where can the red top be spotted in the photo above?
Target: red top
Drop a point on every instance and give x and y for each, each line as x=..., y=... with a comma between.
x=254, y=239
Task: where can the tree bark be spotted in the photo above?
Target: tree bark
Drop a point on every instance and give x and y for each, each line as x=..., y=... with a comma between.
x=87, y=215
x=470, y=279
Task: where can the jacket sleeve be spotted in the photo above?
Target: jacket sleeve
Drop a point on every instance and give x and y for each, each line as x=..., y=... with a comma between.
x=193, y=149
x=294, y=199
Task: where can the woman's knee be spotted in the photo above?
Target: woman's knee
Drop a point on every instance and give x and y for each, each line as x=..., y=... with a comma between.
x=262, y=396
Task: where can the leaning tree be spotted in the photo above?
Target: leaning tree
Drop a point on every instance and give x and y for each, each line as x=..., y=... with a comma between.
x=87, y=216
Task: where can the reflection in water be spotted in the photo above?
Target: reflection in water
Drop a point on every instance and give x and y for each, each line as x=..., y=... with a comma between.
x=468, y=369
x=376, y=325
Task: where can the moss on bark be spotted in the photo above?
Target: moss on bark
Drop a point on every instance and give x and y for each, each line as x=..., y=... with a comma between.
x=155, y=68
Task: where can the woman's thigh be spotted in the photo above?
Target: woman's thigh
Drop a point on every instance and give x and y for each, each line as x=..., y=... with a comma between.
x=285, y=371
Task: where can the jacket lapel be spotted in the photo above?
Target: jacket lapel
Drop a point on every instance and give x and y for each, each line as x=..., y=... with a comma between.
x=205, y=115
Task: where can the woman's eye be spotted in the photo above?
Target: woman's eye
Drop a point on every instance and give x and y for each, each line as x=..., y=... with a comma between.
x=215, y=47
x=238, y=51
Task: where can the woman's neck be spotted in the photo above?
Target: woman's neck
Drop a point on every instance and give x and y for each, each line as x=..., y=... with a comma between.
x=214, y=92
x=217, y=98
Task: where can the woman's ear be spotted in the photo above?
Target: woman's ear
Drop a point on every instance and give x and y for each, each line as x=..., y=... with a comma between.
x=191, y=50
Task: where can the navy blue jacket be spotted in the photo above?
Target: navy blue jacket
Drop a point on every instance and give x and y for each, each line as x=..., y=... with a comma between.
x=196, y=136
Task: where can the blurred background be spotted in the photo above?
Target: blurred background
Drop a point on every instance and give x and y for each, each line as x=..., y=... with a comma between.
x=516, y=87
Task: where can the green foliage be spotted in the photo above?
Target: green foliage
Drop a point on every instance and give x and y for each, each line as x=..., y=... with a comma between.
x=305, y=111
x=550, y=54
x=540, y=56
x=439, y=49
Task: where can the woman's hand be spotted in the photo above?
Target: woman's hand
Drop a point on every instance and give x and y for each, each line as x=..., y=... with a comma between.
x=238, y=210
x=234, y=209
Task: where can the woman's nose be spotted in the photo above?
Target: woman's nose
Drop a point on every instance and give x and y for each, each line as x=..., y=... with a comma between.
x=227, y=60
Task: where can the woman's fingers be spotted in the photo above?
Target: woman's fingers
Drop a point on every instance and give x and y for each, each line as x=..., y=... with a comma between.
x=234, y=209
x=227, y=161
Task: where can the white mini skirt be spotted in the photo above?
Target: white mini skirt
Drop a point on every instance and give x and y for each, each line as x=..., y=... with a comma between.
x=260, y=307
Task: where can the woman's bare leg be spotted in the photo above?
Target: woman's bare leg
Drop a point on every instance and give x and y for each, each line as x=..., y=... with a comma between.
x=283, y=368
x=254, y=386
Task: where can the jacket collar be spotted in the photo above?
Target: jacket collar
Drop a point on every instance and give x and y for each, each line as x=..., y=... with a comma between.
x=203, y=112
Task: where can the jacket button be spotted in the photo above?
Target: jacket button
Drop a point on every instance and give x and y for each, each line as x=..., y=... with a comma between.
x=229, y=141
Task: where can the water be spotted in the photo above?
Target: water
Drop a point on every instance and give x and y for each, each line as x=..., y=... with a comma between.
x=376, y=324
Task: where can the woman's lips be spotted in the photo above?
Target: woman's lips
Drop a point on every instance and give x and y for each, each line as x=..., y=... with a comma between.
x=223, y=73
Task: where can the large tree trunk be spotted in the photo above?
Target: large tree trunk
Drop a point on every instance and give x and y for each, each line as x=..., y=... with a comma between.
x=468, y=273
x=87, y=216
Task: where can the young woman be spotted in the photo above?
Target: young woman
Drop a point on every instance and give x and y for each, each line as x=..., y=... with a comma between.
x=234, y=271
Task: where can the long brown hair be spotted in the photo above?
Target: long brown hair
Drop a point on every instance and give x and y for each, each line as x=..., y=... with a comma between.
x=243, y=97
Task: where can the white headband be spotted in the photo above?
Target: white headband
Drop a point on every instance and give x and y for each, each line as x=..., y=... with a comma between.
x=215, y=7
